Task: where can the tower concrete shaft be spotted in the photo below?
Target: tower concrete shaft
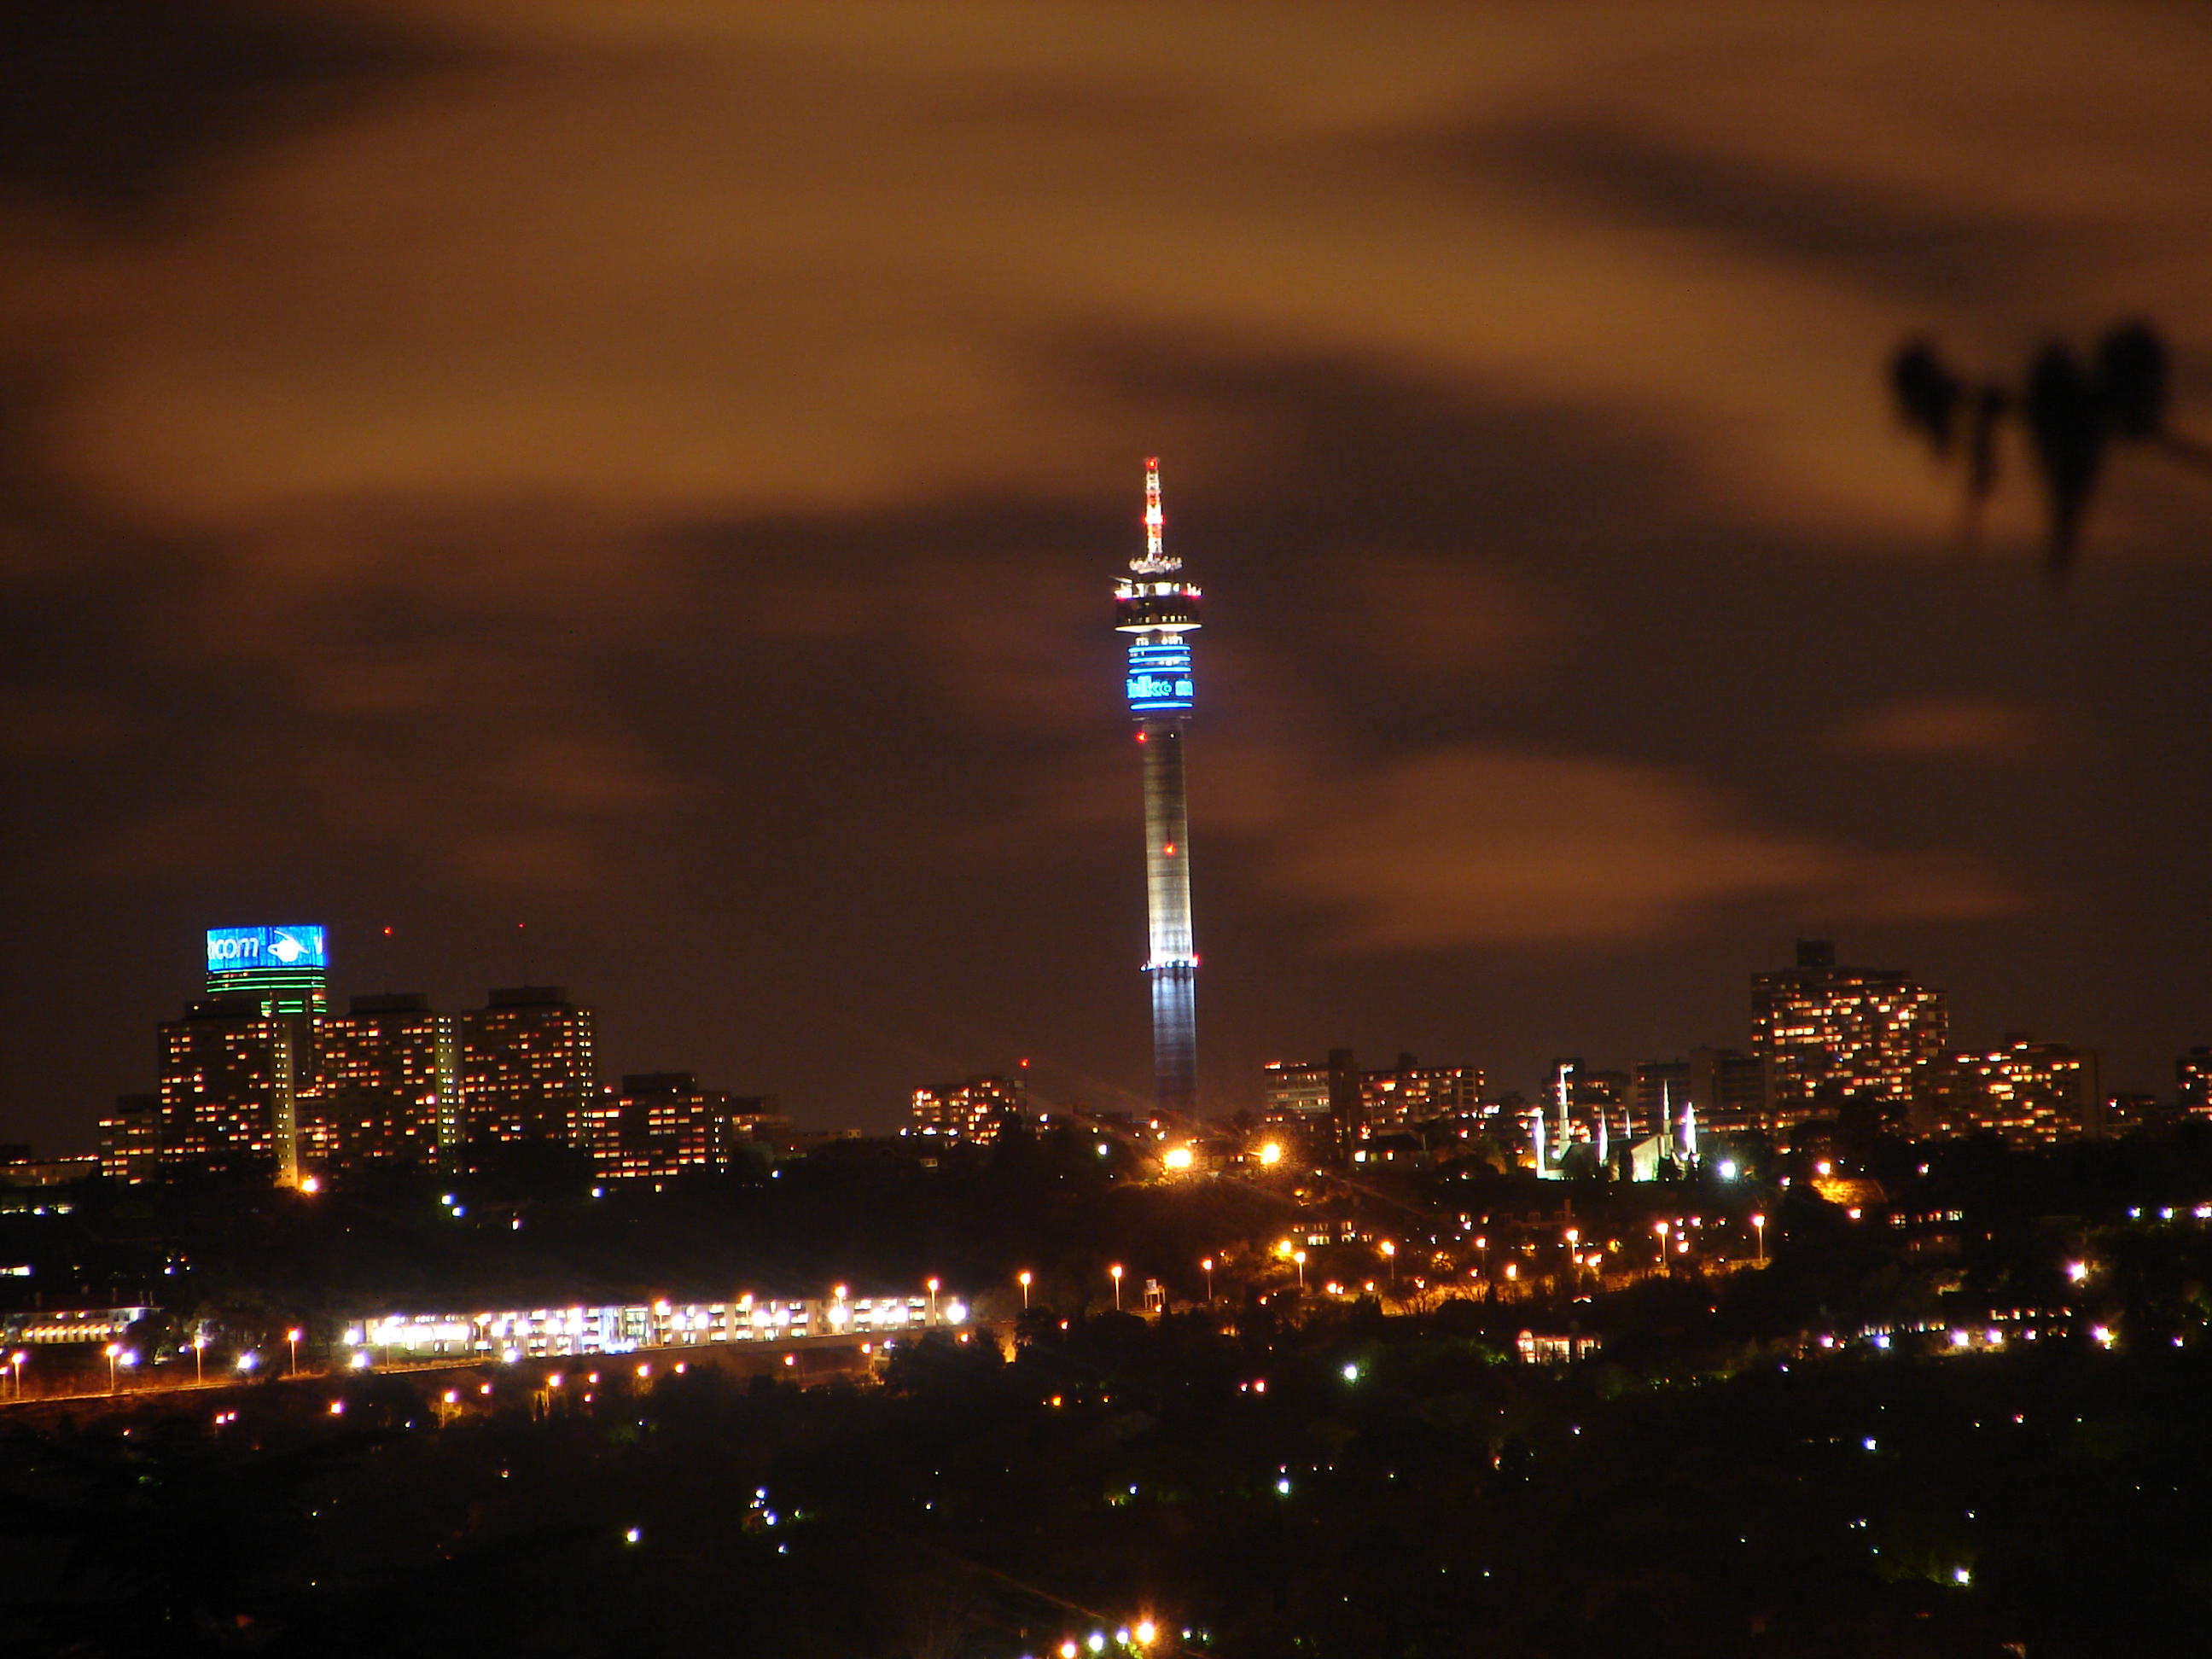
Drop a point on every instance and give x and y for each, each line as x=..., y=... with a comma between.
x=1158, y=609
x=1173, y=963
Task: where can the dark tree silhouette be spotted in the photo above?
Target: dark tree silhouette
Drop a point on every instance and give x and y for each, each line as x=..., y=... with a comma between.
x=2073, y=410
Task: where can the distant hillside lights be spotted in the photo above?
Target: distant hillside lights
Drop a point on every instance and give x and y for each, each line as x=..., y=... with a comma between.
x=259, y=1078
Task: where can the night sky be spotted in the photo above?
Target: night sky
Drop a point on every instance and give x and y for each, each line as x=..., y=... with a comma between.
x=655, y=470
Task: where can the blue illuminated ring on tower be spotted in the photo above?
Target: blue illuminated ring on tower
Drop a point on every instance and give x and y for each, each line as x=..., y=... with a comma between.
x=1159, y=676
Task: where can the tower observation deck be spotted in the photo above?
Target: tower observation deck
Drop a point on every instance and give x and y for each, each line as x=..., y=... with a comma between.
x=1157, y=607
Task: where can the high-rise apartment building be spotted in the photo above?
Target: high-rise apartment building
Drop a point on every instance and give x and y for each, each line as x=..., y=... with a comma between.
x=662, y=1124
x=529, y=1066
x=1827, y=1034
x=1660, y=1090
x=1293, y=1093
x=1332, y=1103
x=1724, y=1088
x=130, y=1138
x=280, y=973
x=1326, y=1104
x=2193, y=1076
x=389, y=1085
x=2032, y=1093
x=232, y=1076
x=1414, y=1093
x=976, y=1110
x=258, y=1078
x=1728, y=1088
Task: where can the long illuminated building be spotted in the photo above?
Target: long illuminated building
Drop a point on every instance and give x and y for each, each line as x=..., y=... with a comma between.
x=589, y=1329
x=1158, y=608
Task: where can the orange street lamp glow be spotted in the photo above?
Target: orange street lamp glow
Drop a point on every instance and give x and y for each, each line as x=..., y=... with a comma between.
x=1116, y=1271
x=1271, y=1153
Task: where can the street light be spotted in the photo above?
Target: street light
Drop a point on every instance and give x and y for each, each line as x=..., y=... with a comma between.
x=1116, y=1271
x=1391, y=1255
x=1271, y=1153
x=1024, y=1277
x=112, y=1350
x=1758, y=1232
x=292, y=1336
x=1299, y=1257
x=16, y=1361
x=199, y=1359
x=933, y=1301
x=1208, y=1265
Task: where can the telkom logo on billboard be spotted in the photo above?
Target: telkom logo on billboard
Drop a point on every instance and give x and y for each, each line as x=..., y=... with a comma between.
x=233, y=950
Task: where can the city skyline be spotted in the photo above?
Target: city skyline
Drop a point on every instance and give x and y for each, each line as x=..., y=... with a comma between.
x=650, y=480
x=265, y=1073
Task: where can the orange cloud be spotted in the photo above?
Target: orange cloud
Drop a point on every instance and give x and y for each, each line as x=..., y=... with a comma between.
x=1477, y=845
x=752, y=257
x=1989, y=730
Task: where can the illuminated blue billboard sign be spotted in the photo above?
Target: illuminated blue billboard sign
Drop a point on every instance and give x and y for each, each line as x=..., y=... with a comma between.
x=1159, y=676
x=234, y=950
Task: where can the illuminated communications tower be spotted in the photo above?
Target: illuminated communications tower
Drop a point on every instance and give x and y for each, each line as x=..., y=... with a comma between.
x=1158, y=609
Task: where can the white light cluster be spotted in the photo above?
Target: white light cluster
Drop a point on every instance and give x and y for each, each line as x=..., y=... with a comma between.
x=544, y=1332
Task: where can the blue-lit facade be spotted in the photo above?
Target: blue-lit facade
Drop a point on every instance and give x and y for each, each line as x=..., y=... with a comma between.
x=239, y=949
x=1157, y=607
